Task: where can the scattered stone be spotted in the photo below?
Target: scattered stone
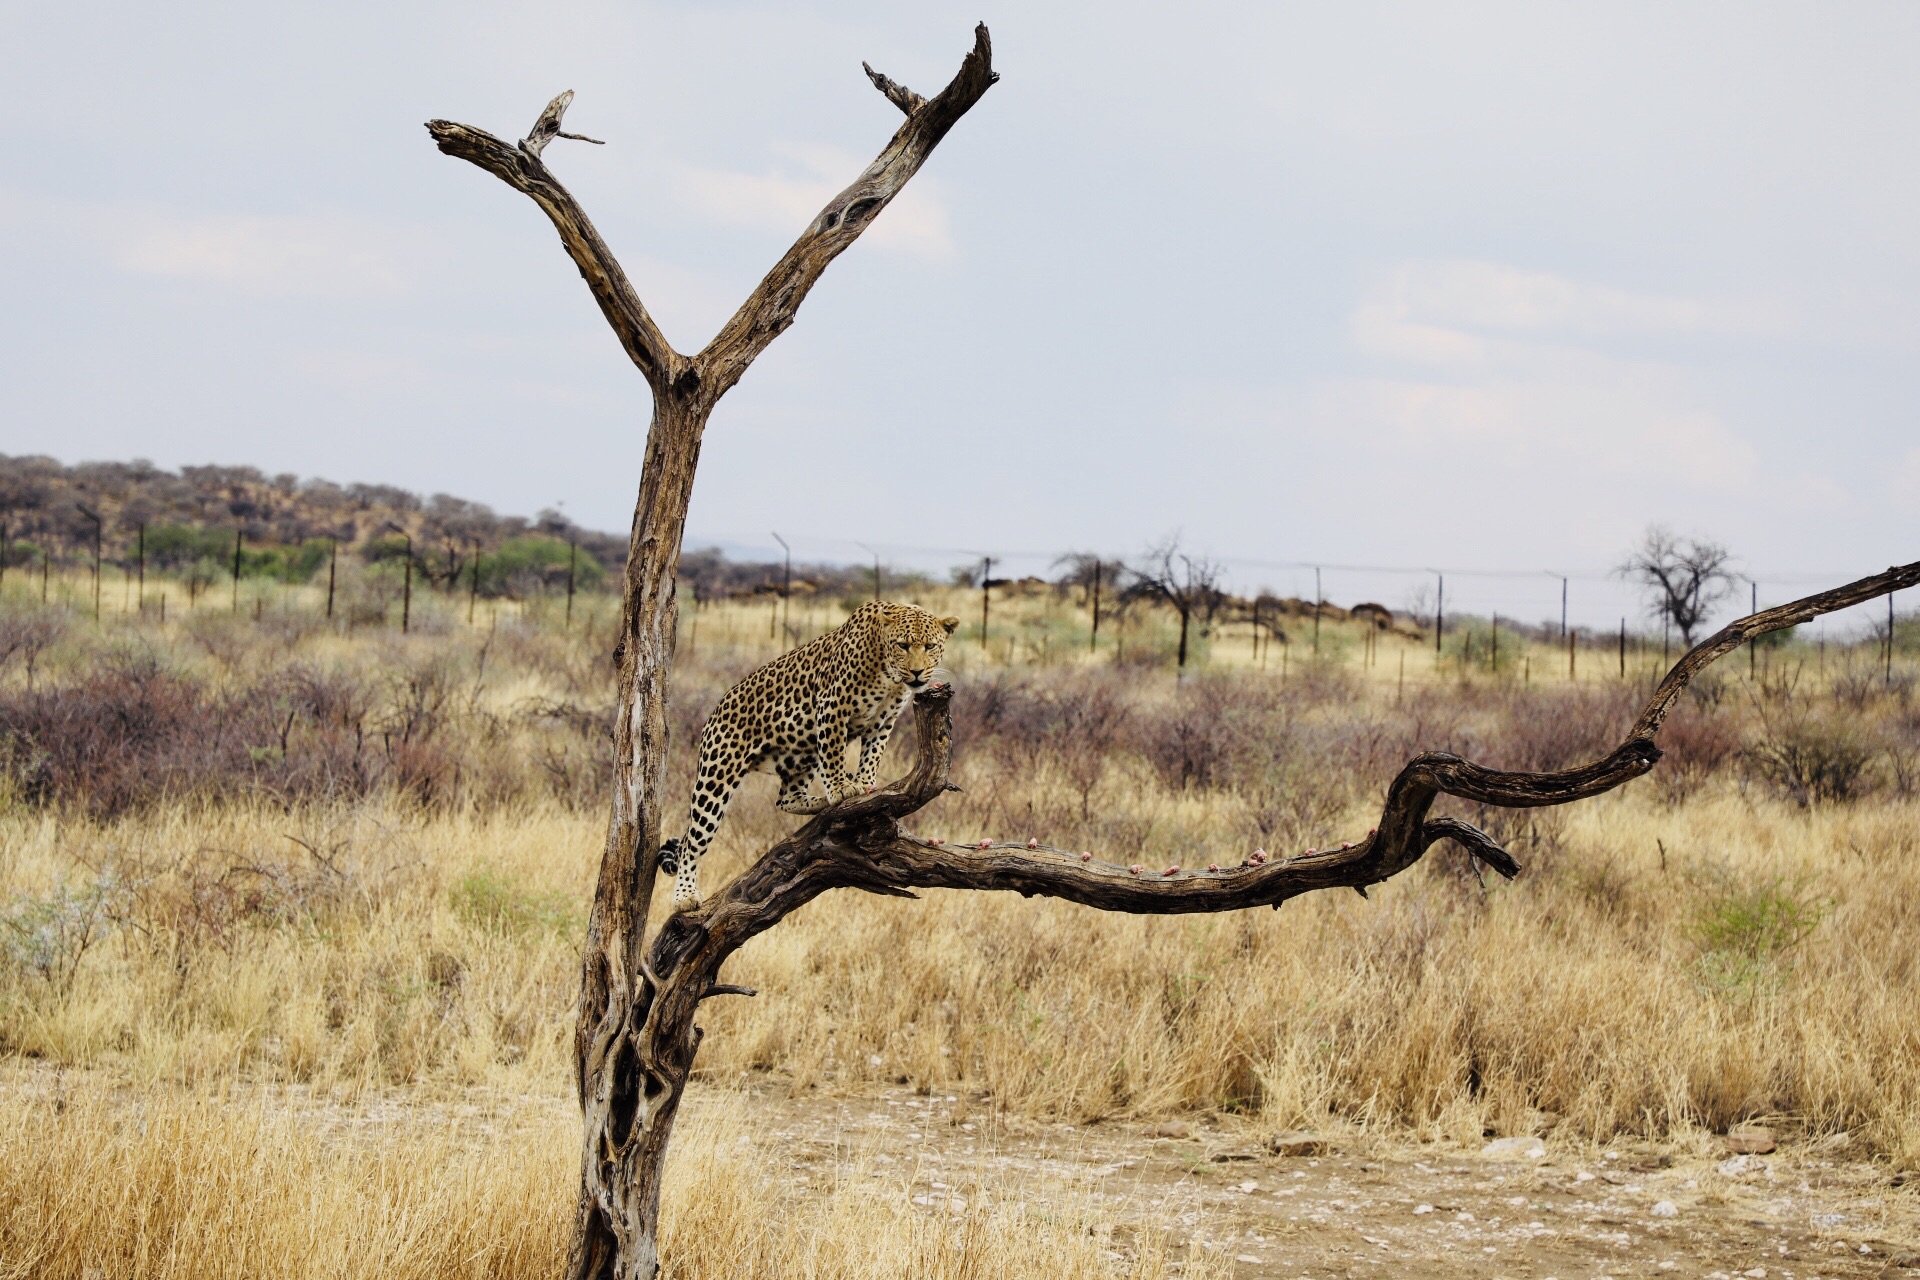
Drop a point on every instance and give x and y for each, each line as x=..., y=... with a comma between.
x=1750, y=1140
x=1228, y=1157
x=1173, y=1129
x=1299, y=1143
x=1665, y=1209
x=1515, y=1149
x=1742, y=1167
x=1423, y=1208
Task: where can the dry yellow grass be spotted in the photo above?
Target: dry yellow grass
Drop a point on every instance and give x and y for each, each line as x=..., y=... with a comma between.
x=1674, y=960
x=168, y=1186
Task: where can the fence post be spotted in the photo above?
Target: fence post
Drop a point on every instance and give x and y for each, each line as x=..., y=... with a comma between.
x=986, y=595
x=786, y=592
x=236, y=568
x=1319, y=601
x=1623, y=648
x=1439, y=616
x=141, y=559
x=1093, y=641
x=573, y=556
x=333, y=557
x=94, y=516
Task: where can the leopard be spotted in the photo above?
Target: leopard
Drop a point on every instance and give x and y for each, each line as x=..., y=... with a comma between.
x=795, y=716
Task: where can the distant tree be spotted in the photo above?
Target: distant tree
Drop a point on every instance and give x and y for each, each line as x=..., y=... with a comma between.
x=1081, y=568
x=1683, y=578
x=1189, y=586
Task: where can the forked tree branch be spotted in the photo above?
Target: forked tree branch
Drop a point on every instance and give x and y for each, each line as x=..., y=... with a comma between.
x=859, y=844
x=770, y=309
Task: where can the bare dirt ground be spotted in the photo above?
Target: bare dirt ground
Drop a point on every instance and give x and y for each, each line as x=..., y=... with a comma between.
x=1355, y=1205
x=1370, y=1207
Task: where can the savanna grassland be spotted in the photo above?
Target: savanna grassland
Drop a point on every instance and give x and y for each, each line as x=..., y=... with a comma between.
x=290, y=912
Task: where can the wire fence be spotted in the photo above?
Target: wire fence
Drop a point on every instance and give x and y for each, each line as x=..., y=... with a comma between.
x=1594, y=598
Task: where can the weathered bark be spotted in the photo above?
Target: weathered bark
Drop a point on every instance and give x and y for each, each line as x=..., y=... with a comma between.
x=633, y=1054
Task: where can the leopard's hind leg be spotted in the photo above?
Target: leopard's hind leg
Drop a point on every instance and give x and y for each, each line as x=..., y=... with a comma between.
x=713, y=789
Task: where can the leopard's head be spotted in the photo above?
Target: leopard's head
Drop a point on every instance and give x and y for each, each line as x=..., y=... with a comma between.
x=912, y=643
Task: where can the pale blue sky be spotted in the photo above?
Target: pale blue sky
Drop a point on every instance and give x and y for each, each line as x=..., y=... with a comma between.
x=1366, y=284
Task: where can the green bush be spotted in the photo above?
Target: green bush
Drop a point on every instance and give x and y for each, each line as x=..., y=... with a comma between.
x=1746, y=932
x=532, y=562
x=198, y=551
x=488, y=897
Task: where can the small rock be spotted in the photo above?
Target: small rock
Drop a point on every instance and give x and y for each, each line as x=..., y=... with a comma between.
x=1248, y=1188
x=1423, y=1208
x=1741, y=1167
x=1229, y=1157
x=1172, y=1129
x=1750, y=1140
x=1246, y=1257
x=1665, y=1209
x=1514, y=1149
x=1299, y=1143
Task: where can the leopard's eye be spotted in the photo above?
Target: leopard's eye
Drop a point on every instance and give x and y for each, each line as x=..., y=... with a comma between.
x=901, y=645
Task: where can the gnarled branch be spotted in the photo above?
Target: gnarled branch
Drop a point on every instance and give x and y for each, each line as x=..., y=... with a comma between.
x=859, y=844
x=770, y=309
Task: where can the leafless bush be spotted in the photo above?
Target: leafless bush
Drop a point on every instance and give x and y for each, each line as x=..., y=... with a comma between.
x=1814, y=757
x=26, y=633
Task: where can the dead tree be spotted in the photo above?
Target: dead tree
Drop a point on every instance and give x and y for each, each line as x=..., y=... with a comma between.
x=635, y=1039
x=1190, y=587
x=636, y=1036
x=1683, y=577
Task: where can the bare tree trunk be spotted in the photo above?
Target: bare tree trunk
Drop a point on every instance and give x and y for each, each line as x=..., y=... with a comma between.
x=634, y=1043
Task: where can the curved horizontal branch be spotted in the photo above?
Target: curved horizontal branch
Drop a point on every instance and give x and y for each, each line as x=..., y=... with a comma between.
x=1779, y=618
x=858, y=844
x=521, y=167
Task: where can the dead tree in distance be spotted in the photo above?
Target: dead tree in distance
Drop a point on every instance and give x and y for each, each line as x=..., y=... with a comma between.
x=1683, y=577
x=636, y=1037
x=1167, y=575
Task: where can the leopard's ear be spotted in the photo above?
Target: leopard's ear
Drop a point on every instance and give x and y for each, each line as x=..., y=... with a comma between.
x=951, y=624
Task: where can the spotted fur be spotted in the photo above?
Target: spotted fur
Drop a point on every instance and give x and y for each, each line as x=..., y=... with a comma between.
x=795, y=716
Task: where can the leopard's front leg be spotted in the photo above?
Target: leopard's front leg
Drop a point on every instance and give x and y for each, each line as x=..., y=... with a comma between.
x=874, y=745
x=830, y=744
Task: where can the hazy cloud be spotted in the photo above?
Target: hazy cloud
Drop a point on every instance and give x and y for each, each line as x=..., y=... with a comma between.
x=787, y=201
x=284, y=255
